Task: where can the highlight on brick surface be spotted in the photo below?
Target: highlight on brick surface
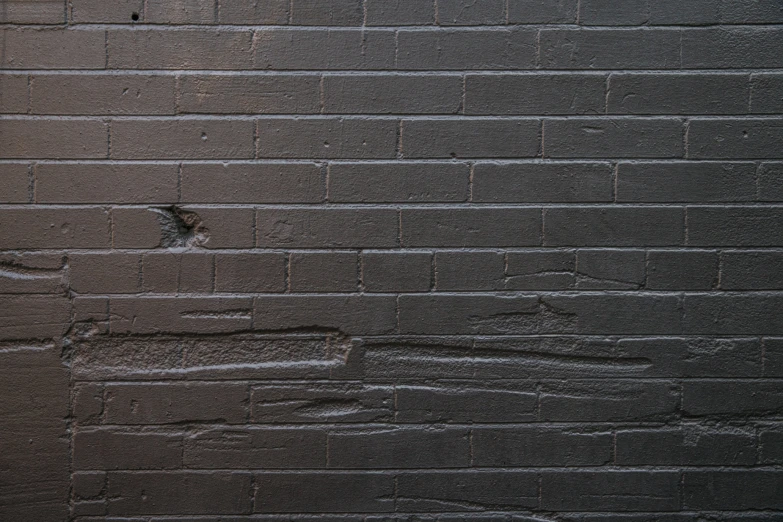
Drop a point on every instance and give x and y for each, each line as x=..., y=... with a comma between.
x=391, y=260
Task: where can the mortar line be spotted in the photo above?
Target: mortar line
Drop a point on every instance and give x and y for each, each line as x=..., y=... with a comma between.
x=179, y=182
x=29, y=94
x=31, y=184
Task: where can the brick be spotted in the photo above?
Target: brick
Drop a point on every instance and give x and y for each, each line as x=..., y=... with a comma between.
x=163, y=272
x=392, y=94
x=263, y=12
x=54, y=228
x=154, y=315
x=324, y=492
x=627, y=226
x=470, y=138
x=732, y=398
x=172, y=272
x=734, y=139
x=750, y=12
x=28, y=48
x=102, y=94
x=171, y=403
x=540, y=270
x=678, y=94
x=610, y=490
x=105, y=11
x=135, y=228
x=249, y=94
x=195, y=273
x=351, y=314
x=33, y=317
x=465, y=403
x=33, y=408
x=480, y=227
x=327, y=138
x=732, y=490
x=684, y=182
x=467, y=491
x=468, y=314
x=751, y=270
x=257, y=272
x=695, y=357
x=56, y=139
x=535, y=94
x=690, y=445
x=398, y=182
x=252, y=183
x=601, y=401
x=323, y=49
x=91, y=310
x=734, y=226
x=16, y=182
x=103, y=449
x=400, y=12
x=180, y=493
x=228, y=227
x=617, y=314
x=324, y=272
x=181, y=139
x=539, y=182
x=104, y=273
x=770, y=445
x=610, y=269
x=765, y=94
x=329, y=12
x=734, y=314
x=33, y=12
x=109, y=183
x=316, y=403
x=15, y=93
x=511, y=49
x=465, y=271
x=396, y=271
x=727, y=47
x=604, y=12
x=373, y=448
x=180, y=12
x=599, y=138
x=682, y=270
x=89, y=484
x=542, y=12
x=530, y=447
x=671, y=12
x=465, y=12
x=610, y=49
x=256, y=448
x=89, y=507
x=327, y=228
x=87, y=404
x=770, y=182
x=178, y=49
x=773, y=357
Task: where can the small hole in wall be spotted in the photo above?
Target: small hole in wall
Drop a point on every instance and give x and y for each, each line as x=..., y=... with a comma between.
x=135, y=17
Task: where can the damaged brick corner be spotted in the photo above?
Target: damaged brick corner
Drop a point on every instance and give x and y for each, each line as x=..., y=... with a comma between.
x=181, y=228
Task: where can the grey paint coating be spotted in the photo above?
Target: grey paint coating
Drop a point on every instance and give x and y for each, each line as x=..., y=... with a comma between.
x=391, y=260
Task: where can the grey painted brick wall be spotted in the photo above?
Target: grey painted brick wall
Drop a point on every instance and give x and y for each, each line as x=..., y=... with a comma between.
x=391, y=260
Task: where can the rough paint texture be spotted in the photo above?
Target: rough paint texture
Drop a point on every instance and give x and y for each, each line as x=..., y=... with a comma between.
x=391, y=260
